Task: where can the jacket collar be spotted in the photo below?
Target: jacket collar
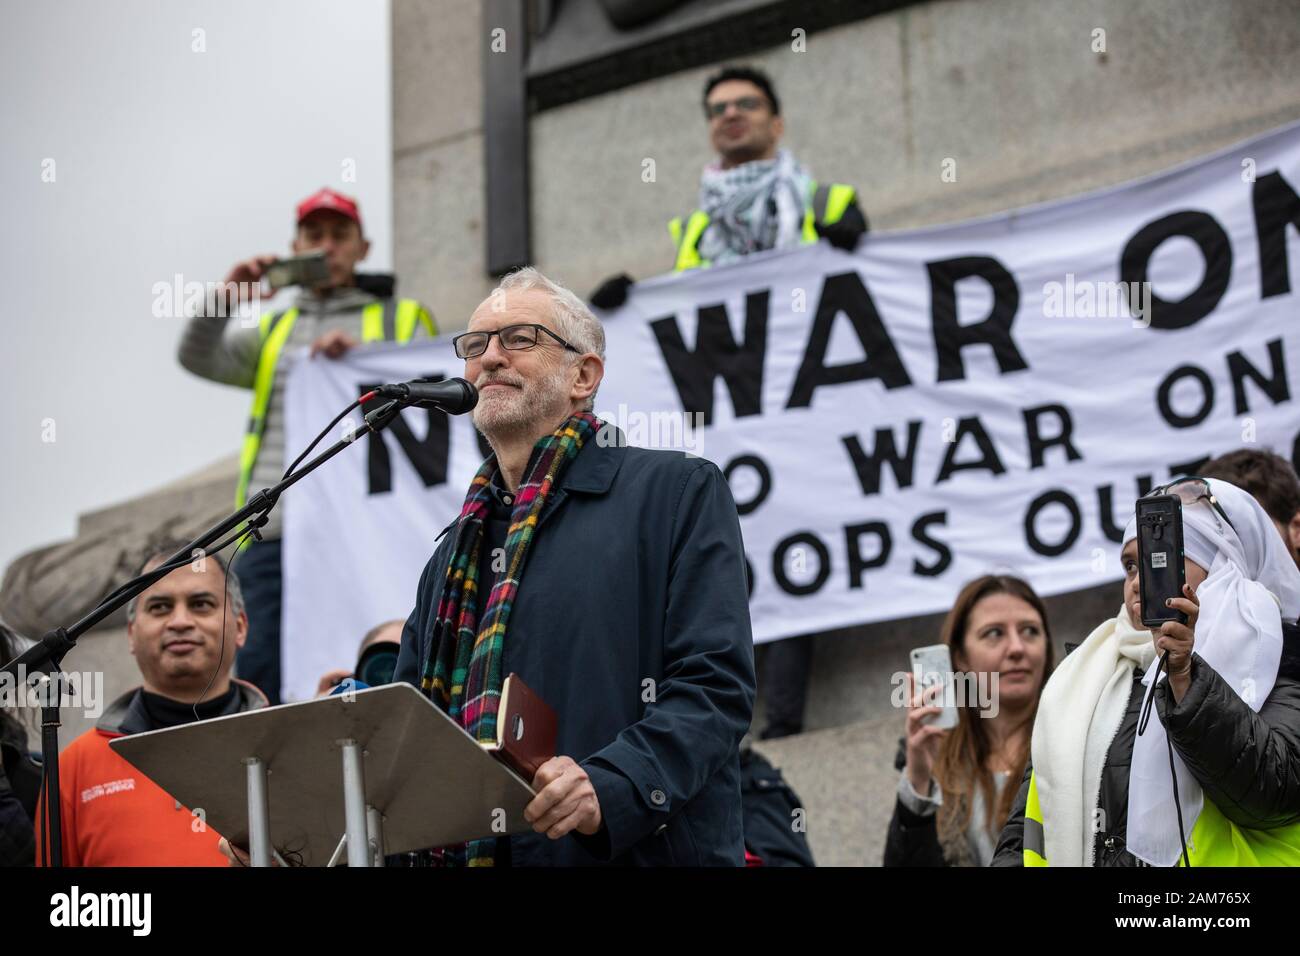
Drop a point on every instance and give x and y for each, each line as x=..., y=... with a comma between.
x=593, y=471
x=346, y=299
x=126, y=715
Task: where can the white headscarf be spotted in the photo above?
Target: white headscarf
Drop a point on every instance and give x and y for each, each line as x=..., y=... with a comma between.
x=1078, y=716
x=1238, y=634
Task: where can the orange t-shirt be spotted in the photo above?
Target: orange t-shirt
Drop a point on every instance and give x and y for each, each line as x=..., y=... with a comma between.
x=113, y=815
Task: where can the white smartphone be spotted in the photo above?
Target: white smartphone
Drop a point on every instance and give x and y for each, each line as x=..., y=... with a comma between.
x=932, y=667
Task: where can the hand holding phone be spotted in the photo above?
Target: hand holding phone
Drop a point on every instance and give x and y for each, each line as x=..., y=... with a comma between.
x=244, y=280
x=1169, y=607
x=1179, y=638
x=307, y=270
x=932, y=677
x=931, y=712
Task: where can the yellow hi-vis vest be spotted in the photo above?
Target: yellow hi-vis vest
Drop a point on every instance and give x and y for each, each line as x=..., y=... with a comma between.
x=1214, y=841
x=826, y=205
x=389, y=320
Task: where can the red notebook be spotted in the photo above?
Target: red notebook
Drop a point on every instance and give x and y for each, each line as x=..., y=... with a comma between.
x=526, y=729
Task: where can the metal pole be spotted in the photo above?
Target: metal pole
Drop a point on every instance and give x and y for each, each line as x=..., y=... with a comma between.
x=259, y=813
x=375, y=831
x=50, y=750
x=354, y=804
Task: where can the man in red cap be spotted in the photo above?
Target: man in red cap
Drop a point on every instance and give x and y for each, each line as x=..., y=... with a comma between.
x=330, y=318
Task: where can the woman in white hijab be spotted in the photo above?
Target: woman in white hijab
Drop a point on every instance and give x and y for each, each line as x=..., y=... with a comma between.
x=1101, y=787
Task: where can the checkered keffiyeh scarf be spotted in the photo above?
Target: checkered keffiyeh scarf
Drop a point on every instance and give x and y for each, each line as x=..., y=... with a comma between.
x=753, y=206
x=462, y=673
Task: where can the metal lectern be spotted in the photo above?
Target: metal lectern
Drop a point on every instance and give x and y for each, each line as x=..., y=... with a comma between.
x=380, y=770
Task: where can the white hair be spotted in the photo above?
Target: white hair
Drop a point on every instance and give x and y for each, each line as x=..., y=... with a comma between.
x=574, y=322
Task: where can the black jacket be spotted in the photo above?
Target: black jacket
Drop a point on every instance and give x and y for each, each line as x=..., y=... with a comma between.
x=912, y=840
x=772, y=812
x=129, y=713
x=632, y=622
x=1248, y=764
x=20, y=785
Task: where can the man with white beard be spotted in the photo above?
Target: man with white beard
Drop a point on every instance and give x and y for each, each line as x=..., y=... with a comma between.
x=611, y=580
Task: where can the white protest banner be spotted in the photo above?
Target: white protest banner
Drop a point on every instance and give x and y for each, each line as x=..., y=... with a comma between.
x=939, y=404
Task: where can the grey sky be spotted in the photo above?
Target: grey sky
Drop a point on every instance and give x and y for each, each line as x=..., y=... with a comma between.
x=166, y=160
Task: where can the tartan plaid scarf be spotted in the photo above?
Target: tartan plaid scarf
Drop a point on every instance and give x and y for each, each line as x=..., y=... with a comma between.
x=462, y=673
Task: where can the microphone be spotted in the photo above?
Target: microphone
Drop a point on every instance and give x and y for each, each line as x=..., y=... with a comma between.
x=455, y=396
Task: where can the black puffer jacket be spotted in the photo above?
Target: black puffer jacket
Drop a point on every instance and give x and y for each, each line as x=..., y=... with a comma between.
x=1248, y=764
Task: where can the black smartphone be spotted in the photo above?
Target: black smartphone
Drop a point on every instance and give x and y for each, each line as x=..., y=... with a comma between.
x=1160, y=557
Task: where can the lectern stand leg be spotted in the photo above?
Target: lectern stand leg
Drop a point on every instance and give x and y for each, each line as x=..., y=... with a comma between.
x=259, y=814
x=375, y=830
x=354, y=804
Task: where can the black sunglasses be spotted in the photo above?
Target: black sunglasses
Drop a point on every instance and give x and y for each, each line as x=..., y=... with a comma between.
x=517, y=338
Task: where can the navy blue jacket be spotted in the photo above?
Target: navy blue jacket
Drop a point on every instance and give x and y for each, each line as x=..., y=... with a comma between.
x=632, y=622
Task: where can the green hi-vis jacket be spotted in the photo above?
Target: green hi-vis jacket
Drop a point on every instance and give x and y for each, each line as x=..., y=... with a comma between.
x=387, y=320
x=826, y=206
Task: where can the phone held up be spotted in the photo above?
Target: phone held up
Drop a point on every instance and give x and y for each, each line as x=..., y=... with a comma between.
x=1160, y=558
x=933, y=677
x=308, y=270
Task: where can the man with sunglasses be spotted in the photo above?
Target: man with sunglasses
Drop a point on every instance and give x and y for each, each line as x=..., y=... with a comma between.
x=754, y=196
x=611, y=580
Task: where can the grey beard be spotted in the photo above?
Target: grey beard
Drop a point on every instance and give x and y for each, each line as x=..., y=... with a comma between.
x=532, y=406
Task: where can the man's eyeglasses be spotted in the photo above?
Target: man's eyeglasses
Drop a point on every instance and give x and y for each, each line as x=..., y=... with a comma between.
x=1191, y=490
x=513, y=337
x=746, y=104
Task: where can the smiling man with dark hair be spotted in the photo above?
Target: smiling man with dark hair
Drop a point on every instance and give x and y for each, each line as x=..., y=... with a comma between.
x=183, y=632
x=754, y=196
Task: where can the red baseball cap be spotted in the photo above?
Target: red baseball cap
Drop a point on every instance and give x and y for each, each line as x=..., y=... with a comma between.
x=329, y=199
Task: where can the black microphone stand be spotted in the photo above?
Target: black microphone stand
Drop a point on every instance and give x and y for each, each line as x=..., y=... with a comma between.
x=46, y=656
